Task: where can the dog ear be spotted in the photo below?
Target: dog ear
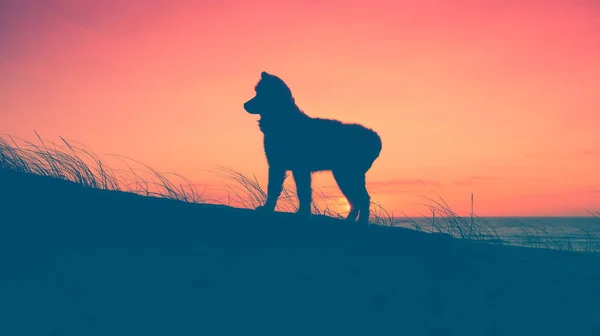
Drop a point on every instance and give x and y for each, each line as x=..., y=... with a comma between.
x=264, y=74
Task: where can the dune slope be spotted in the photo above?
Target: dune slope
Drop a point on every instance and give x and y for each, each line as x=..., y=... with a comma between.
x=79, y=261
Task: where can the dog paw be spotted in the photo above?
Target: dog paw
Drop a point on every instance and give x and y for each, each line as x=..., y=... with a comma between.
x=362, y=222
x=264, y=209
x=303, y=213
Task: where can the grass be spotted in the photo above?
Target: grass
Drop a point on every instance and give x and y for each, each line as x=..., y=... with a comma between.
x=247, y=192
x=73, y=161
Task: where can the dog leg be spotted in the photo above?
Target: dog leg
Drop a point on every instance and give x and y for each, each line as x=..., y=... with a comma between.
x=274, y=188
x=363, y=201
x=353, y=186
x=344, y=181
x=304, y=190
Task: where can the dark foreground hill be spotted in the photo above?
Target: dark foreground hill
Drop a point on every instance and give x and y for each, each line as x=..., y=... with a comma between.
x=79, y=261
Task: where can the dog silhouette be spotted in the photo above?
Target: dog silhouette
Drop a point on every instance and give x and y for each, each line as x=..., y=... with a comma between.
x=296, y=142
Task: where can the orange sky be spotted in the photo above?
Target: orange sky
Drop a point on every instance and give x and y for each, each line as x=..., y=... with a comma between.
x=491, y=97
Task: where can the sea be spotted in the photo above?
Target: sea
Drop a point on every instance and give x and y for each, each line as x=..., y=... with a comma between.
x=563, y=233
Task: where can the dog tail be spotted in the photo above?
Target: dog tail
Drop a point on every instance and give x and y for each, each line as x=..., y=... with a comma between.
x=377, y=146
x=372, y=146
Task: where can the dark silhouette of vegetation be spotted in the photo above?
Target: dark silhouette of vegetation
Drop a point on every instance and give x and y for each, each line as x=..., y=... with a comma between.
x=73, y=161
x=160, y=260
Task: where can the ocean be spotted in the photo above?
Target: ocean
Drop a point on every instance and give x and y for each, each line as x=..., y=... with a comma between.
x=565, y=233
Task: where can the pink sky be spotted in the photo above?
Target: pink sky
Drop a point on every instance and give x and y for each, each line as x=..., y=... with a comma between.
x=499, y=98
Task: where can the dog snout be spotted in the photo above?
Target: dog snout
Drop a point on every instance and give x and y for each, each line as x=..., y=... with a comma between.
x=250, y=106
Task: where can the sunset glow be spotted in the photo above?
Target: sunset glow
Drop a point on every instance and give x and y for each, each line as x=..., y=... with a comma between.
x=343, y=205
x=496, y=98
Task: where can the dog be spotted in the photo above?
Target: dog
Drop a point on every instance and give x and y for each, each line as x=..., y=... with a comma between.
x=296, y=142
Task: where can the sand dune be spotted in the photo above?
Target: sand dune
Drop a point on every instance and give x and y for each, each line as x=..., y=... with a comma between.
x=80, y=261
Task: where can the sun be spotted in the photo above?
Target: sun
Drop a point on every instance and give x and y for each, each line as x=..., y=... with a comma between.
x=343, y=204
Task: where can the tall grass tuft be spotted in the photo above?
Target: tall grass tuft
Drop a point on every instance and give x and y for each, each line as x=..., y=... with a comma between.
x=73, y=161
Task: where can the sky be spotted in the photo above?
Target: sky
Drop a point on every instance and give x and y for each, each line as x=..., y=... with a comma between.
x=496, y=98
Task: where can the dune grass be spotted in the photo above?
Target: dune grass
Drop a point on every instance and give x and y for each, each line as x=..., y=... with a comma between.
x=73, y=161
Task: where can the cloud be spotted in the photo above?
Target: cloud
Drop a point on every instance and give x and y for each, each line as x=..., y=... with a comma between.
x=403, y=183
x=570, y=154
x=584, y=3
x=486, y=178
x=536, y=155
x=476, y=179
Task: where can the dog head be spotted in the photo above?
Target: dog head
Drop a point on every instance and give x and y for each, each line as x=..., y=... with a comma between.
x=272, y=95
